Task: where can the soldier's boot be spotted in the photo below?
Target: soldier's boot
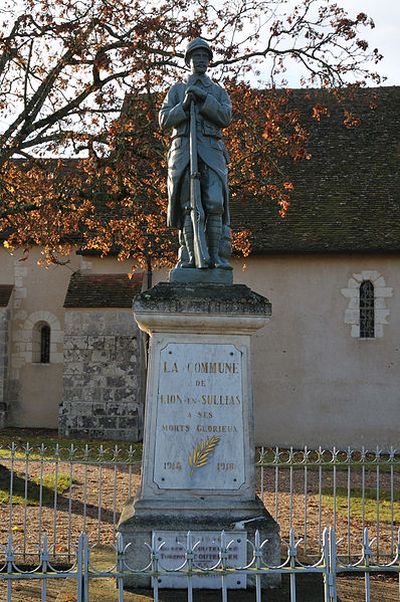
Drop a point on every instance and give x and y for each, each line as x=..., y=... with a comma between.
x=225, y=248
x=188, y=238
x=214, y=234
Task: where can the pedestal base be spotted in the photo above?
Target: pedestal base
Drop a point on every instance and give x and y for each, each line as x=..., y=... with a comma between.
x=196, y=276
x=198, y=471
x=137, y=525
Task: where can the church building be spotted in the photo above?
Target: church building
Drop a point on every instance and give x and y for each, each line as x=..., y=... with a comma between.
x=326, y=369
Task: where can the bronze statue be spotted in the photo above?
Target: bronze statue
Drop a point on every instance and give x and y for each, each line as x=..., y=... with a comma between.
x=196, y=110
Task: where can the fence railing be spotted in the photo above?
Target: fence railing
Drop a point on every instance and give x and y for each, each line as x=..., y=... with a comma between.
x=348, y=489
x=82, y=570
x=66, y=491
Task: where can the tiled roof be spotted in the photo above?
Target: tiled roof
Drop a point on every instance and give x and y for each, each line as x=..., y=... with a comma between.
x=102, y=290
x=347, y=197
x=5, y=294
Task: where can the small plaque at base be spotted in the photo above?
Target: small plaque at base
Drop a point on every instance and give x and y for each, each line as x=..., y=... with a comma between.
x=172, y=546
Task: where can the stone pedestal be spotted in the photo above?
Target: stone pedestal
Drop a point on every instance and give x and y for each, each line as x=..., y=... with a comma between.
x=198, y=463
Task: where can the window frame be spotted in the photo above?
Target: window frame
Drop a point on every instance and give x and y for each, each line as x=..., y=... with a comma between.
x=41, y=343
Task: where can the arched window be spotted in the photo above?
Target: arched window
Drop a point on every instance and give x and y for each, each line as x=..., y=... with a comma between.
x=367, y=310
x=41, y=343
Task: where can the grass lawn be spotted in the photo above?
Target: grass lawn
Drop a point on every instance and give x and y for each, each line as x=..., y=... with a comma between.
x=370, y=505
x=43, y=444
x=32, y=486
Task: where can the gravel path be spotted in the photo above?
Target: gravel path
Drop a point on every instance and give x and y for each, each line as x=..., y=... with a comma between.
x=309, y=589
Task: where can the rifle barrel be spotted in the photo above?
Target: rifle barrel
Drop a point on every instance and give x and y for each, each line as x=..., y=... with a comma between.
x=197, y=211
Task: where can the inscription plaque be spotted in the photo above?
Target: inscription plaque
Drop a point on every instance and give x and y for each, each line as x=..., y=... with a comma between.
x=199, y=438
x=206, y=545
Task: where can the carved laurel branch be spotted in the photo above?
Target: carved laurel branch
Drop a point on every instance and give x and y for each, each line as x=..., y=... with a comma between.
x=201, y=453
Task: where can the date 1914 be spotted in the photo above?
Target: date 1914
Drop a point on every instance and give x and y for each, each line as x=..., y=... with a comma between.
x=172, y=466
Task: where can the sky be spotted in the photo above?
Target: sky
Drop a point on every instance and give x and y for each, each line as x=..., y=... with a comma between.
x=385, y=36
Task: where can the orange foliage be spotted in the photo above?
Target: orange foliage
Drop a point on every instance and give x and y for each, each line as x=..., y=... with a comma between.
x=84, y=81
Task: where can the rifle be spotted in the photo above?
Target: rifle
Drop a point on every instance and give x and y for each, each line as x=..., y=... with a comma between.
x=200, y=251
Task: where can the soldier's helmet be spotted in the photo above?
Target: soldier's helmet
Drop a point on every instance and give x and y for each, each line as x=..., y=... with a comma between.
x=195, y=45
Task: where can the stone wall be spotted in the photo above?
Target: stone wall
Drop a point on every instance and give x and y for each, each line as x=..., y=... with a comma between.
x=4, y=341
x=102, y=393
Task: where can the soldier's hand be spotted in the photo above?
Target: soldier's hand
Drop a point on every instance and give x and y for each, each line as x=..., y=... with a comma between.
x=198, y=92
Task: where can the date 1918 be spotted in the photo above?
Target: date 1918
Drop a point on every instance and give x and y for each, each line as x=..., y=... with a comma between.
x=225, y=466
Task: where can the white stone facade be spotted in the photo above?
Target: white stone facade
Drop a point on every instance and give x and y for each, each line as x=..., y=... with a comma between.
x=24, y=339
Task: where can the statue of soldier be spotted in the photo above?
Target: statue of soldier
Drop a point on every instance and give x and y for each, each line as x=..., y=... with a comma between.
x=213, y=111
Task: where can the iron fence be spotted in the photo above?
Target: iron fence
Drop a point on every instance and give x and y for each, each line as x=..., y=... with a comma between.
x=83, y=570
x=65, y=491
x=348, y=489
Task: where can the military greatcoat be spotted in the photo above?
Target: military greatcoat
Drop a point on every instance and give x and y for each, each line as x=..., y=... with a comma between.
x=212, y=115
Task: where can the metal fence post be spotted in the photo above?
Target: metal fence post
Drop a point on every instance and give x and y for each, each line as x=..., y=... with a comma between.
x=83, y=569
x=44, y=560
x=223, y=554
x=120, y=567
x=189, y=560
x=258, y=557
x=332, y=566
x=325, y=551
x=293, y=556
x=86, y=559
x=79, y=570
x=10, y=563
x=154, y=565
x=367, y=553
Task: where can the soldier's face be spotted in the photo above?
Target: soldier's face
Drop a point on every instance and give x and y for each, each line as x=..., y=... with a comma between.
x=199, y=61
